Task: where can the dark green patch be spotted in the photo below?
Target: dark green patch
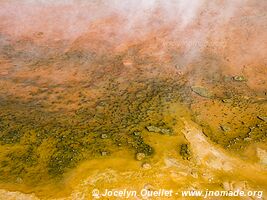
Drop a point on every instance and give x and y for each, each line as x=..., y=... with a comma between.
x=185, y=151
x=55, y=142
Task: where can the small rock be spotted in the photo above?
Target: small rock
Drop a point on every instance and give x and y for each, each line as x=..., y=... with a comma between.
x=140, y=156
x=166, y=131
x=258, y=125
x=153, y=129
x=104, y=136
x=137, y=133
x=226, y=100
x=104, y=153
x=247, y=139
x=158, y=130
x=225, y=128
x=146, y=166
x=263, y=118
x=201, y=91
x=239, y=78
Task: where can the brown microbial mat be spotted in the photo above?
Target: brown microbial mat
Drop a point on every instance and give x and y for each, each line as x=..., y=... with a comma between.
x=124, y=99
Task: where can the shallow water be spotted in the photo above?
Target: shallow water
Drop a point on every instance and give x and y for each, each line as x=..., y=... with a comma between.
x=26, y=161
x=123, y=103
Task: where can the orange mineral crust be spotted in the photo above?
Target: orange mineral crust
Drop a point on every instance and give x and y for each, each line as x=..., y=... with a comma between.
x=127, y=95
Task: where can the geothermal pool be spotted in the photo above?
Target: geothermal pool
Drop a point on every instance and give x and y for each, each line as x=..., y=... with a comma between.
x=153, y=97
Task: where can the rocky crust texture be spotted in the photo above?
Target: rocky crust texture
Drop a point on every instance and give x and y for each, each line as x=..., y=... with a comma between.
x=163, y=94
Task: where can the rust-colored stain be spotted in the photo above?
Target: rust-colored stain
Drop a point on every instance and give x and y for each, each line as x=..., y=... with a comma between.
x=131, y=95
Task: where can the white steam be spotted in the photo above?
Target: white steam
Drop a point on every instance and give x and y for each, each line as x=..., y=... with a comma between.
x=70, y=18
x=232, y=28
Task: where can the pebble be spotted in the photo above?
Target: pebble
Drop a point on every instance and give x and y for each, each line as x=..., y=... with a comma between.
x=263, y=118
x=158, y=130
x=137, y=133
x=226, y=100
x=239, y=78
x=225, y=128
x=247, y=139
x=153, y=129
x=104, y=136
x=146, y=166
x=140, y=156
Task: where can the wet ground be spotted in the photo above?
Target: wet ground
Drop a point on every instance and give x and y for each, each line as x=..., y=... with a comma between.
x=131, y=114
x=113, y=132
